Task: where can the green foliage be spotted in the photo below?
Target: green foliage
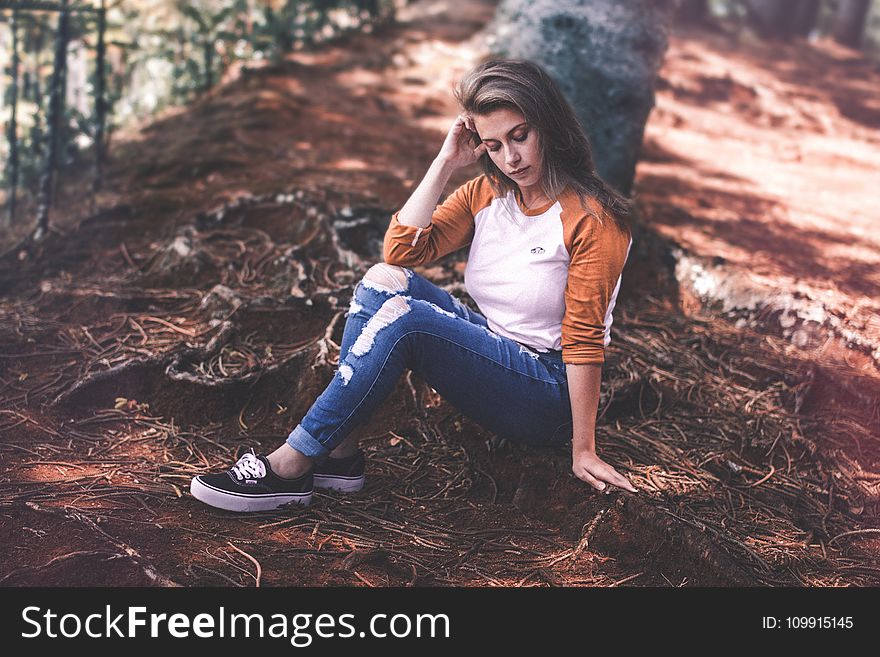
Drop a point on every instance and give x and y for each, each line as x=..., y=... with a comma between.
x=159, y=53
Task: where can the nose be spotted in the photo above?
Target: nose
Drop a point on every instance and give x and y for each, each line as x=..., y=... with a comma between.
x=513, y=158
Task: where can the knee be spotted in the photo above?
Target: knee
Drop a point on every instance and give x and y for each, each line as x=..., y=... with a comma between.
x=387, y=278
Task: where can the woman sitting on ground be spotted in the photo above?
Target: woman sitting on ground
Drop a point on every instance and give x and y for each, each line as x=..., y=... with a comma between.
x=547, y=248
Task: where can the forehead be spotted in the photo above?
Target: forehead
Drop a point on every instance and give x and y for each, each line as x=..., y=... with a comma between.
x=498, y=123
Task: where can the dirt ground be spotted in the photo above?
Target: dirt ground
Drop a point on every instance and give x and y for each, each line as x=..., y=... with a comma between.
x=759, y=162
x=197, y=314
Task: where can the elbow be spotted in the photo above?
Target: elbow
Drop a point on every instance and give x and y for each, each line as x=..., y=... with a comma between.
x=390, y=252
x=392, y=256
x=396, y=254
x=388, y=258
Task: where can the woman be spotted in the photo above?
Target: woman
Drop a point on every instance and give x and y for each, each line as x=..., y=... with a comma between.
x=548, y=246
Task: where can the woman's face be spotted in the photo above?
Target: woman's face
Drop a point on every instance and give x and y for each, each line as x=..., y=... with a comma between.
x=513, y=145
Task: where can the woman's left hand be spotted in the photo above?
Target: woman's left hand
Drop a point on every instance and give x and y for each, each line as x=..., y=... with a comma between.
x=587, y=466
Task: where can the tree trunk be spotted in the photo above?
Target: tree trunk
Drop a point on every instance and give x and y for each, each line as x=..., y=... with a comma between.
x=100, y=106
x=772, y=18
x=849, y=22
x=13, y=122
x=208, y=45
x=805, y=16
x=62, y=125
x=692, y=11
x=56, y=109
x=604, y=55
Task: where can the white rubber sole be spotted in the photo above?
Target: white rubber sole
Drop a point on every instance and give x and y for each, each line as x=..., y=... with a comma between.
x=227, y=501
x=340, y=483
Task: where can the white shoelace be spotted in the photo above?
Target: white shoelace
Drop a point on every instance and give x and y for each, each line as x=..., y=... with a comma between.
x=249, y=467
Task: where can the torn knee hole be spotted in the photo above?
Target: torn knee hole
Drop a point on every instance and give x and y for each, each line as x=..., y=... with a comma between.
x=387, y=278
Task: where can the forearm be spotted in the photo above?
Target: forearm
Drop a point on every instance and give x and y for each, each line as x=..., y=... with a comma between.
x=583, y=388
x=584, y=382
x=417, y=211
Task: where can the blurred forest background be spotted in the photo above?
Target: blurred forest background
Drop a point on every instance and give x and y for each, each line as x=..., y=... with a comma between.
x=128, y=60
x=190, y=191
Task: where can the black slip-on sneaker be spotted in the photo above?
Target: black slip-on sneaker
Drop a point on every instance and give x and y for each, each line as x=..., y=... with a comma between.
x=250, y=485
x=345, y=474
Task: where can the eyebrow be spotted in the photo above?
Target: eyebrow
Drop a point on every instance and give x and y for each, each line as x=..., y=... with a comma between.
x=511, y=131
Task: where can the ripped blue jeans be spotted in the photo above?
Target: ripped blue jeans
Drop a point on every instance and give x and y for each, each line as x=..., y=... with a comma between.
x=502, y=385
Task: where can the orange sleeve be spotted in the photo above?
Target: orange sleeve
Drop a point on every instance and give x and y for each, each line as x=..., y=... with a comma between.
x=598, y=255
x=451, y=227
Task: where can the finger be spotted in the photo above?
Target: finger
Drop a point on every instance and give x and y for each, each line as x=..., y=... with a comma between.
x=590, y=479
x=619, y=480
x=479, y=150
x=627, y=485
x=616, y=480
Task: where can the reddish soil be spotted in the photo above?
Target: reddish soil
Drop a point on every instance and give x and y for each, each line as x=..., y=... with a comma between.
x=95, y=482
x=764, y=156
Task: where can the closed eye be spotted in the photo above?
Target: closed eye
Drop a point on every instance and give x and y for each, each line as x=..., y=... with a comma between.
x=519, y=139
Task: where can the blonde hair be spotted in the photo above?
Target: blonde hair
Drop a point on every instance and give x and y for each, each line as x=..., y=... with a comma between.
x=566, y=155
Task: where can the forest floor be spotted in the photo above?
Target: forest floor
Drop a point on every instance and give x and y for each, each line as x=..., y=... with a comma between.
x=198, y=313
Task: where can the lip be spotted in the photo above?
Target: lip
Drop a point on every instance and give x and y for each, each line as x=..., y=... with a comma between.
x=518, y=171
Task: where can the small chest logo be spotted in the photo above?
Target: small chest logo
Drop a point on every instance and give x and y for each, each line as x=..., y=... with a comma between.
x=538, y=249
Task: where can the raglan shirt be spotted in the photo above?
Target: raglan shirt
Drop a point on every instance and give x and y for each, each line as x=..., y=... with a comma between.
x=547, y=278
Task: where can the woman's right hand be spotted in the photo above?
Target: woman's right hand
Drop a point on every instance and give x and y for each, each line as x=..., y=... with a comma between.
x=458, y=149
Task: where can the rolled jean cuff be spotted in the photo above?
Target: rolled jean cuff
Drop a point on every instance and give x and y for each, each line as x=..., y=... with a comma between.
x=302, y=441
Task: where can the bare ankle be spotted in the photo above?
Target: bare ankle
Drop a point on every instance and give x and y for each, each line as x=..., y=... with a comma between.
x=289, y=463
